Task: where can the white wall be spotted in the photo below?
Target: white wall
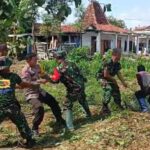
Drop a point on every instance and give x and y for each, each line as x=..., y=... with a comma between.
x=86, y=38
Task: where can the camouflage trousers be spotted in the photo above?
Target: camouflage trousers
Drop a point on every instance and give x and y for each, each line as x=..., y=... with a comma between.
x=14, y=113
x=73, y=96
x=110, y=90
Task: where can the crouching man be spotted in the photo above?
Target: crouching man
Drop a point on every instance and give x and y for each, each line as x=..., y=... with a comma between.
x=143, y=79
x=9, y=106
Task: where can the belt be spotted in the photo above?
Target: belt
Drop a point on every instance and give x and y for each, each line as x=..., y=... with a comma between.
x=5, y=91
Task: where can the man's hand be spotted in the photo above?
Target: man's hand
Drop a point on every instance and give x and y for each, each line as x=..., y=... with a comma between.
x=42, y=81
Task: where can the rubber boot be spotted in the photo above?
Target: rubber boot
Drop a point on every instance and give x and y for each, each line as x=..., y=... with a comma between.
x=69, y=119
x=143, y=105
x=105, y=110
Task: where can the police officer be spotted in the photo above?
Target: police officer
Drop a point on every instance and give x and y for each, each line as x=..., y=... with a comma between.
x=73, y=80
x=9, y=106
x=106, y=74
x=32, y=73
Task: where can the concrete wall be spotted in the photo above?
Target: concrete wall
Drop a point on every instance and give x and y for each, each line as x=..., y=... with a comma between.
x=86, y=39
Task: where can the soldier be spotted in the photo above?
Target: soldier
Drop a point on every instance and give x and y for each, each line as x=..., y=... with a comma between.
x=36, y=97
x=73, y=80
x=106, y=74
x=143, y=79
x=9, y=106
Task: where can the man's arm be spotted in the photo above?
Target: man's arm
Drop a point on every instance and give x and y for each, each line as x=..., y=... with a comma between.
x=121, y=79
x=23, y=85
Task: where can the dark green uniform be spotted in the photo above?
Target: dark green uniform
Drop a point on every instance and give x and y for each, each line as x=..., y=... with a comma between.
x=9, y=106
x=110, y=89
x=74, y=83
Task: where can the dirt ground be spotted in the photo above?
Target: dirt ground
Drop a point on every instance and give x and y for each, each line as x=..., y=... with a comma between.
x=126, y=130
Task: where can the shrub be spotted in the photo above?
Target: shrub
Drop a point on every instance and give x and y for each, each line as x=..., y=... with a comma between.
x=48, y=65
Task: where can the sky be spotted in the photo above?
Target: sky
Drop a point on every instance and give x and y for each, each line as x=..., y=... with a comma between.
x=135, y=13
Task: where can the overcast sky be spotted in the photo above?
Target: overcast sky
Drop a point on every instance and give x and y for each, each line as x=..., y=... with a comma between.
x=133, y=12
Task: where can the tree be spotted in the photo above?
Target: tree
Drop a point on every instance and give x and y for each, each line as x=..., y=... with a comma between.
x=117, y=22
x=60, y=9
x=79, y=13
x=17, y=15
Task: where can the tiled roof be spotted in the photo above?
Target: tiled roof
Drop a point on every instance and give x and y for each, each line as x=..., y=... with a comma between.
x=111, y=28
x=95, y=17
x=68, y=28
x=144, y=28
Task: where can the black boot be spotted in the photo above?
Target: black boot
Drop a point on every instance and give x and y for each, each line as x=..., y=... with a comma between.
x=105, y=110
x=30, y=143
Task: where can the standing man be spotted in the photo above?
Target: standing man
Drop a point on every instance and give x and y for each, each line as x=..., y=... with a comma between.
x=143, y=79
x=73, y=80
x=36, y=97
x=106, y=74
x=9, y=106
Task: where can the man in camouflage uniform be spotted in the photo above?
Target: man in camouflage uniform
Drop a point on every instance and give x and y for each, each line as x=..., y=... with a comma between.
x=106, y=74
x=73, y=80
x=9, y=106
x=32, y=73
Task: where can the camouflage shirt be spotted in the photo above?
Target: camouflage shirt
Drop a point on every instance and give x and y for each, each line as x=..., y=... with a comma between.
x=71, y=76
x=112, y=67
x=8, y=82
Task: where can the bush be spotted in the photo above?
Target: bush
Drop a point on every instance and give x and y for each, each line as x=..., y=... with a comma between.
x=48, y=65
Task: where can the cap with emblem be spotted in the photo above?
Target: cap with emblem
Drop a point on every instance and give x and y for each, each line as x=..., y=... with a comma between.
x=5, y=62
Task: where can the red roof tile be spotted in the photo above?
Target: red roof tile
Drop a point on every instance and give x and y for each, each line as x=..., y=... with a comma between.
x=95, y=17
x=111, y=28
x=68, y=28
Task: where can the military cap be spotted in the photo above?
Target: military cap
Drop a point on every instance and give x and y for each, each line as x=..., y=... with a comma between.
x=59, y=55
x=5, y=62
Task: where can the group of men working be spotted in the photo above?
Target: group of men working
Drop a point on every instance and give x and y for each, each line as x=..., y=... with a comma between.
x=68, y=74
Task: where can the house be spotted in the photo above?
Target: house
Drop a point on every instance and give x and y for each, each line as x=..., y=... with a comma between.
x=142, y=39
x=97, y=34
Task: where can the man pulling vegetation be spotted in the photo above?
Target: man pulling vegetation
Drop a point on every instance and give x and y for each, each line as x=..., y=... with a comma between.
x=143, y=79
x=106, y=74
x=73, y=80
x=32, y=73
x=9, y=106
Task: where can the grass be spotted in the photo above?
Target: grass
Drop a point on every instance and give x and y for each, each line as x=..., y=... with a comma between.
x=121, y=130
